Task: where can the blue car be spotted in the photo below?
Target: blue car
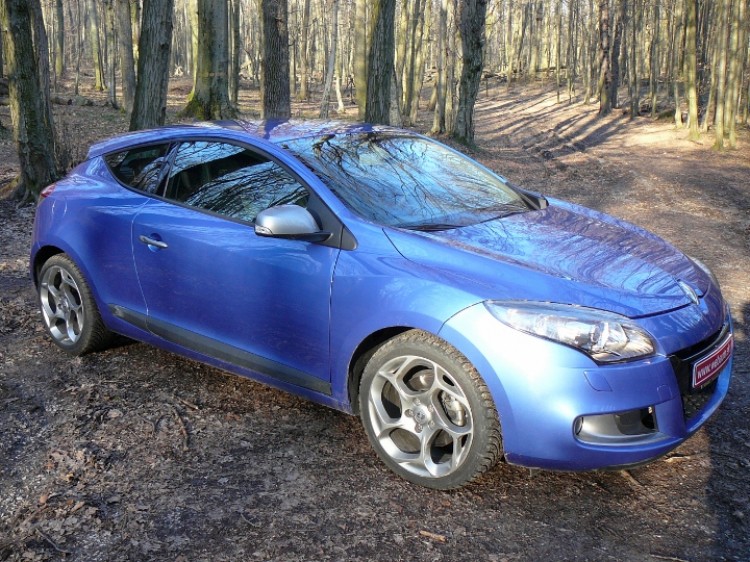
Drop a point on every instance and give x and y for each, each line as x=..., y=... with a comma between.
x=386, y=275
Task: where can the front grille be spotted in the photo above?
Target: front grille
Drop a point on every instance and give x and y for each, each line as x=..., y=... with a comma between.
x=694, y=399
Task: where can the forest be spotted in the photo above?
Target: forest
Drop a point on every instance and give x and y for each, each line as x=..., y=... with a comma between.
x=687, y=57
x=138, y=454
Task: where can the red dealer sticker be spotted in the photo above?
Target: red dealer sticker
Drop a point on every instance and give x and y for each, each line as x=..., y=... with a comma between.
x=711, y=365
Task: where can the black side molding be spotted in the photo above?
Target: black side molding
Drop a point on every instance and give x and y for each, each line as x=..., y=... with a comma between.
x=222, y=351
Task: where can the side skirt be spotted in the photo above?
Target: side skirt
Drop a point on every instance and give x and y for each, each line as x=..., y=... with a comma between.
x=221, y=351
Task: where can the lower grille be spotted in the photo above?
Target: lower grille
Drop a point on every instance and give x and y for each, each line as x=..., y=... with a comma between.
x=694, y=399
x=692, y=403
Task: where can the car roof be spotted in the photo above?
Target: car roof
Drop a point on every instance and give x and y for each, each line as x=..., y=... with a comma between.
x=274, y=130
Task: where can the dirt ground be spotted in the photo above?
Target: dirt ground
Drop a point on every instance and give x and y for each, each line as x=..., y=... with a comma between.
x=137, y=454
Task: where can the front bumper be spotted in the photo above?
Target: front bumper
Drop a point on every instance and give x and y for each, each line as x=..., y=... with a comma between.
x=560, y=410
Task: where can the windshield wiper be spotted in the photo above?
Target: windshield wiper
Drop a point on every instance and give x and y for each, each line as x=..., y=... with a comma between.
x=430, y=226
x=506, y=212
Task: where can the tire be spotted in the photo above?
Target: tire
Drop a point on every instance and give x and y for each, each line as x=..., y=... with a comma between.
x=427, y=412
x=68, y=308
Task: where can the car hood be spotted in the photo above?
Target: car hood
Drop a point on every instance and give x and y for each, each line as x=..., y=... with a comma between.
x=562, y=254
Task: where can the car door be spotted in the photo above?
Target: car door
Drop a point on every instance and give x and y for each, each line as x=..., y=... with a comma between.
x=104, y=218
x=212, y=285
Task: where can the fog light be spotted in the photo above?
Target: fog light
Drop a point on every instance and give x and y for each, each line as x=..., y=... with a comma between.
x=578, y=425
x=631, y=426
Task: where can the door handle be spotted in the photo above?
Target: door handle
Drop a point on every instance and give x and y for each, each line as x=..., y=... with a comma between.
x=152, y=242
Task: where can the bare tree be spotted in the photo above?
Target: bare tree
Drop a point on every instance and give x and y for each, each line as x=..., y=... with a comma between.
x=438, y=122
x=150, y=102
x=125, y=50
x=93, y=34
x=605, y=74
x=380, y=70
x=361, y=53
x=304, y=92
x=331, y=66
x=235, y=62
x=737, y=44
x=59, y=39
x=622, y=16
x=275, y=92
x=472, y=14
x=691, y=67
x=33, y=126
x=111, y=51
x=720, y=70
x=210, y=96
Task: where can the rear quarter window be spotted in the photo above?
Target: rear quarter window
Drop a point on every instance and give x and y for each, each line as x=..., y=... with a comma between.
x=141, y=168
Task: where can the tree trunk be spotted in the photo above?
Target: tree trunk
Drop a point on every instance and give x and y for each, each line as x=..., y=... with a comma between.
x=304, y=90
x=402, y=42
x=616, y=48
x=691, y=67
x=194, y=33
x=450, y=83
x=605, y=74
x=210, y=96
x=111, y=51
x=331, y=69
x=678, y=46
x=275, y=76
x=414, y=69
x=472, y=14
x=59, y=39
x=33, y=134
x=125, y=47
x=417, y=76
x=438, y=121
x=236, y=52
x=634, y=84
x=380, y=62
x=41, y=55
x=734, y=70
x=361, y=52
x=558, y=46
x=135, y=25
x=510, y=44
x=572, y=59
x=653, y=83
x=150, y=102
x=721, y=71
x=590, y=55
x=93, y=34
x=79, y=48
x=293, y=33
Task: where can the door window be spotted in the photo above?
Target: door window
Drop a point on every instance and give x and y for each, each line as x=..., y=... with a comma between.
x=230, y=180
x=141, y=168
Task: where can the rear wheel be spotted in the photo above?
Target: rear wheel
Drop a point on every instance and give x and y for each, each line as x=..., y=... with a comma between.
x=428, y=413
x=68, y=308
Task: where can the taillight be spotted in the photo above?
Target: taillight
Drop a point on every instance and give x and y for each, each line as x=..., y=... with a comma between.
x=47, y=191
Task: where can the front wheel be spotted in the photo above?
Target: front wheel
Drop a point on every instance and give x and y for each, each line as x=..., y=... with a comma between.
x=428, y=413
x=68, y=308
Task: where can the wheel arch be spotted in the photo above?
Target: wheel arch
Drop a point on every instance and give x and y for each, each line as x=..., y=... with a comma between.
x=40, y=258
x=362, y=355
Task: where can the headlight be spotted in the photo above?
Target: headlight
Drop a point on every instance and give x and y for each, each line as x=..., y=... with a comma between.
x=604, y=336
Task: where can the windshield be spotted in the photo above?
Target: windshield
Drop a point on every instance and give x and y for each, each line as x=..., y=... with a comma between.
x=407, y=181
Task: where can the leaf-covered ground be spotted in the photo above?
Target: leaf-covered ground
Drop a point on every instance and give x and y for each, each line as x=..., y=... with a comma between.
x=136, y=454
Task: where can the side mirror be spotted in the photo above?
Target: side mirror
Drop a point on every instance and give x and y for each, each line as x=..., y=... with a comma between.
x=289, y=221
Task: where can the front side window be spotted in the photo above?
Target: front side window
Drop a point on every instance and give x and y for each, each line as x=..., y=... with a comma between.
x=141, y=168
x=230, y=180
x=407, y=181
